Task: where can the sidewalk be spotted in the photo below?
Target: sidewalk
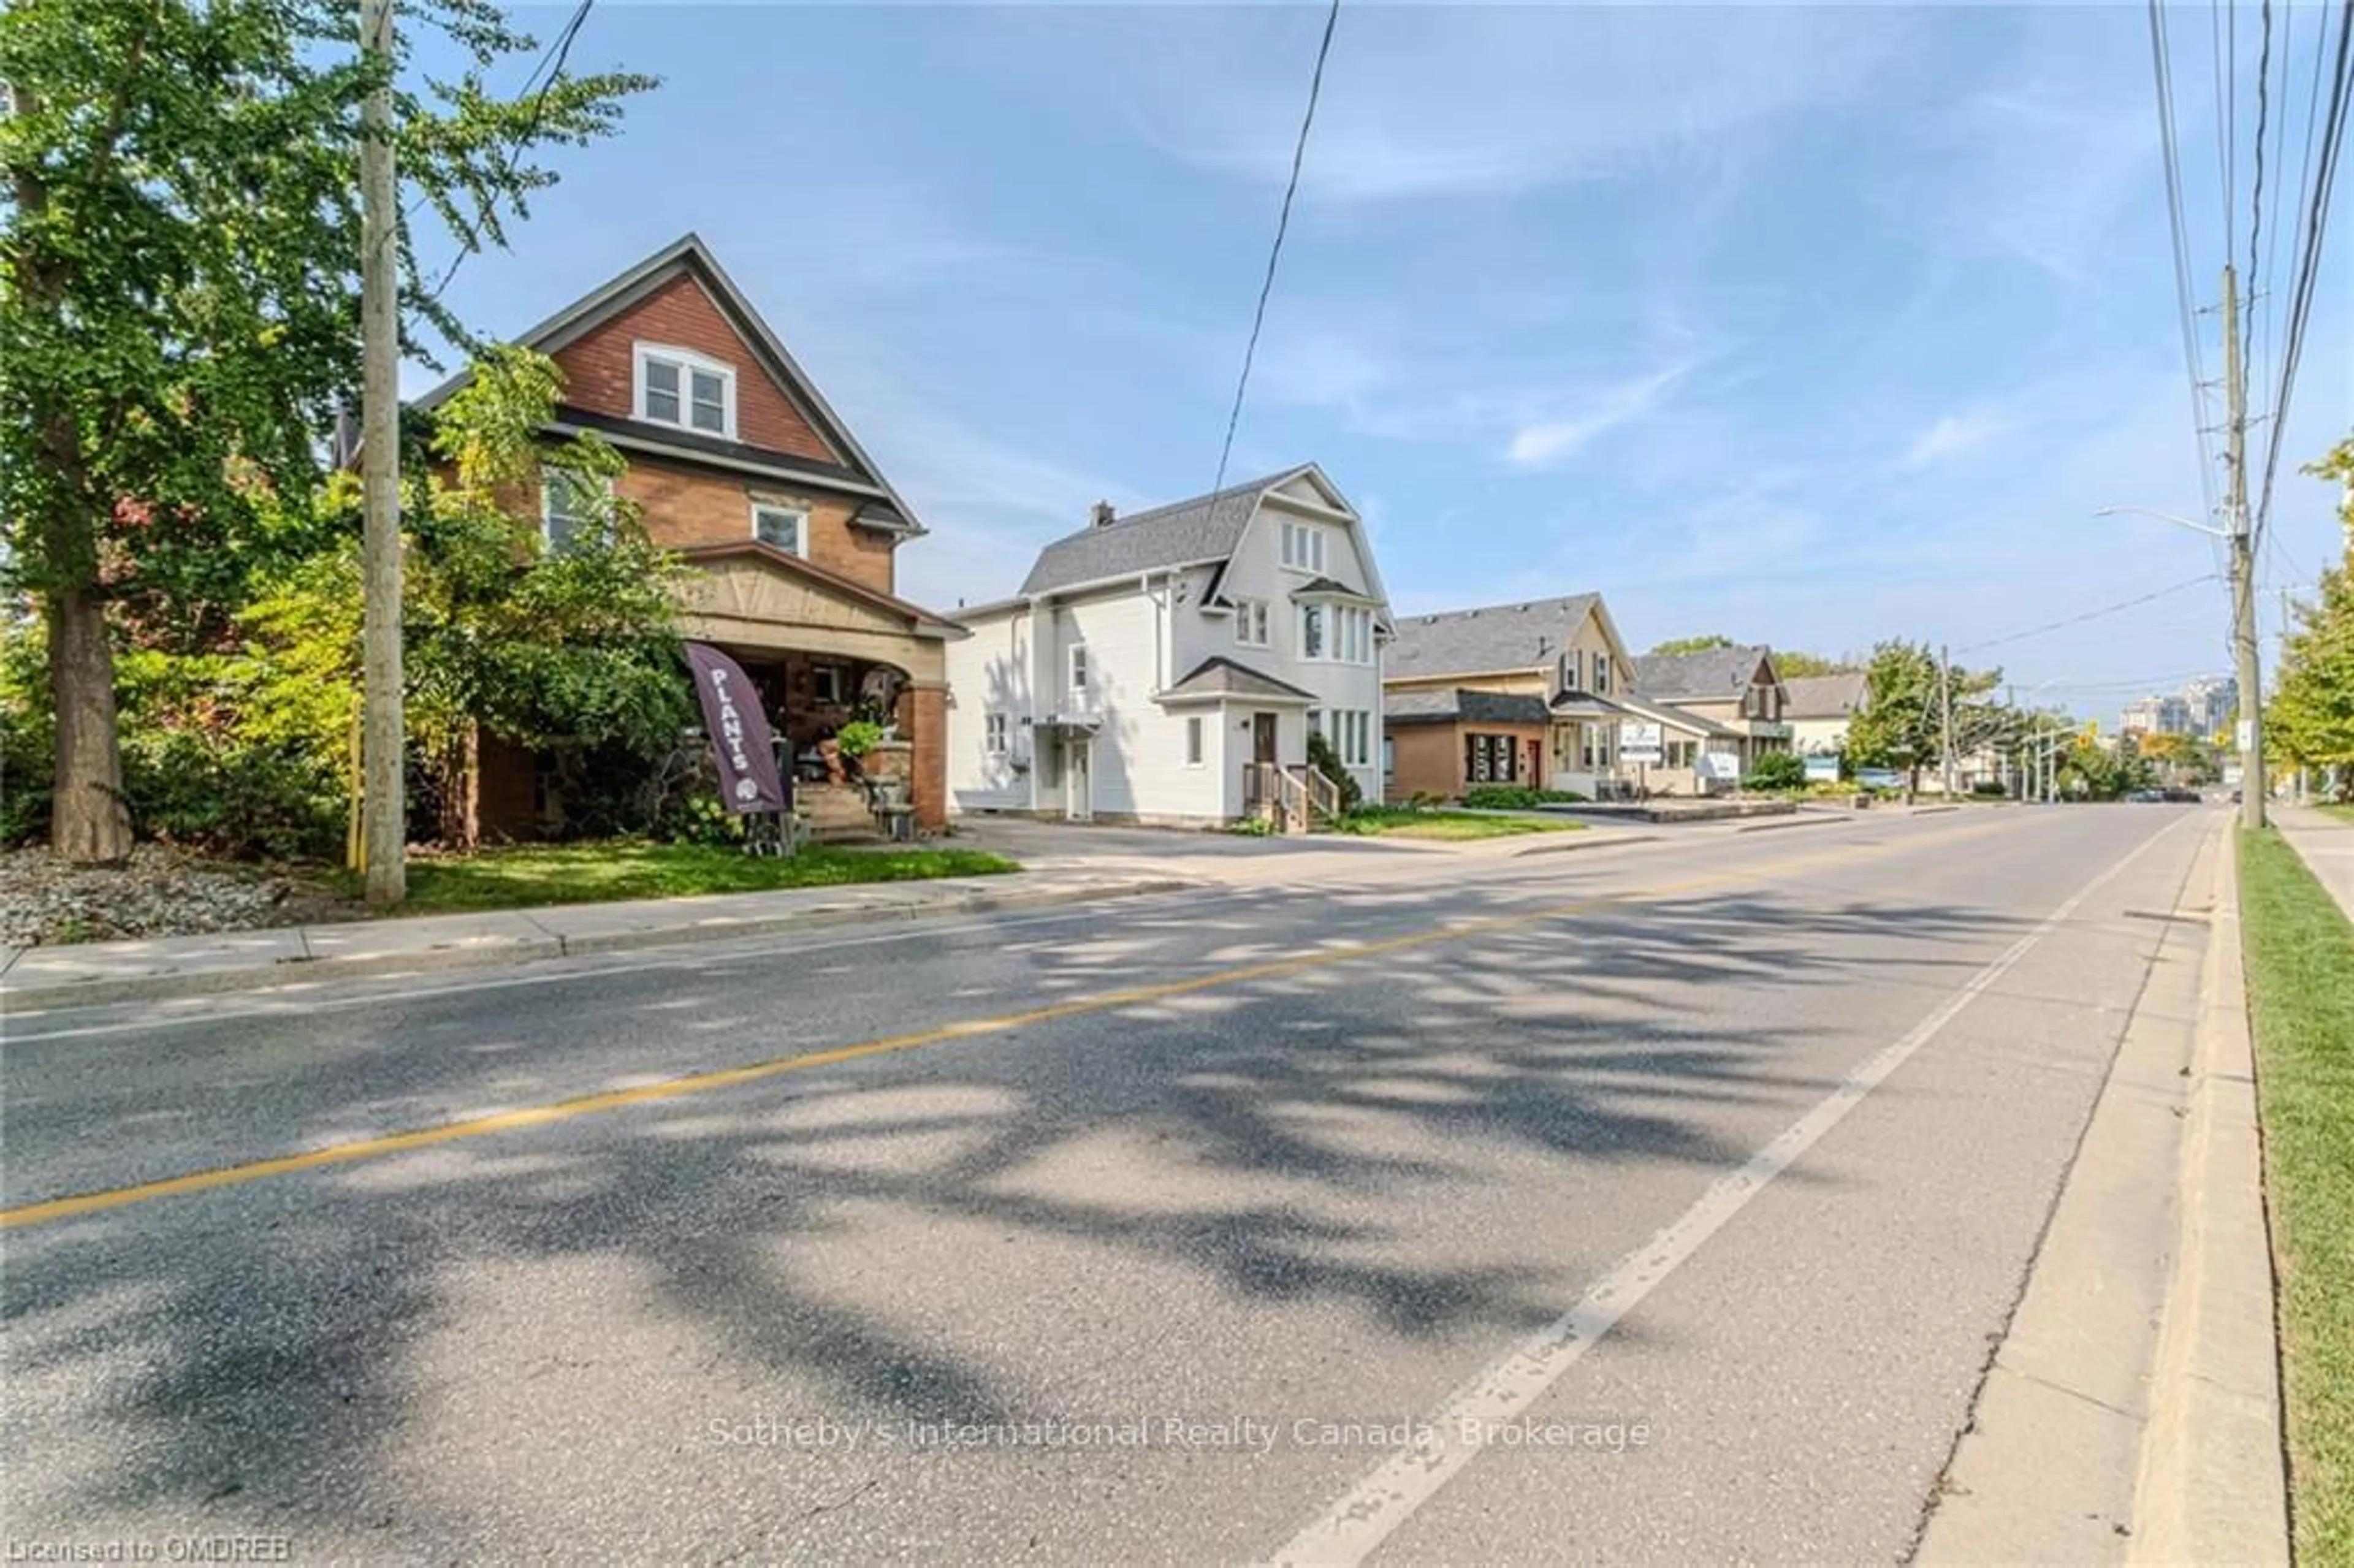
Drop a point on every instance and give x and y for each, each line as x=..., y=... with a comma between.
x=89, y=974
x=1061, y=866
x=2326, y=845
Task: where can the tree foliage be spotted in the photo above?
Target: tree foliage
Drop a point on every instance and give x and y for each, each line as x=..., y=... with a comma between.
x=1701, y=644
x=1795, y=664
x=242, y=742
x=2309, y=720
x=178, y=300
x=1903, y=722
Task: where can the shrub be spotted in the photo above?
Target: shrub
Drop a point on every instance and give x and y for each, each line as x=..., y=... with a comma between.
x=1777, y=770
x=1991, y=790
x=1326, y=761
x=1517, y=797
x=858, y=738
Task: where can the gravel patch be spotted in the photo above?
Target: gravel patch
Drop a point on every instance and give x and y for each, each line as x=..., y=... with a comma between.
x=160, y=892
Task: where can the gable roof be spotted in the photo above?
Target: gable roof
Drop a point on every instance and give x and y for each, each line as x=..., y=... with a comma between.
x=1711, y=675
x=920, y=622
x=1203, y=531
x=1492, y=637
x=1223, y=677
x=1674, y=717
x=1463, y=706
x=687, y=256
x=1826, y=696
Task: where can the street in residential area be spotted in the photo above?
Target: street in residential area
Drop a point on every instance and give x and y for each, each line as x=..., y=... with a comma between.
x=1667, y=1201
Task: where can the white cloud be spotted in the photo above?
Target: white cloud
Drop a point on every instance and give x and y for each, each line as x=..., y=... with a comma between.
x=1548, y=441
x=1956, y=435
x=1421, y=102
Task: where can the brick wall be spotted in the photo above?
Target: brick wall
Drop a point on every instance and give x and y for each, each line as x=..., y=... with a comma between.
x=600, y=368
x=924, y=720
x=691, y=506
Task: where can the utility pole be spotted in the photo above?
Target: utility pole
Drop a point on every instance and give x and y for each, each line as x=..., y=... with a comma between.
x=384, y=804
x=1946, y=718
x=2244, y=566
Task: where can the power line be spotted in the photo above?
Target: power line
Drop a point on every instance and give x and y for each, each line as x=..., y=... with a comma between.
x=2308, y=264
x=551, y=63
x=2088, y=615
x=2256, y=198
x=2162, y=69
x=1275, y=252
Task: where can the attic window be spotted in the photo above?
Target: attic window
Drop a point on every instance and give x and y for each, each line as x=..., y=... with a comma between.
x=679, y=386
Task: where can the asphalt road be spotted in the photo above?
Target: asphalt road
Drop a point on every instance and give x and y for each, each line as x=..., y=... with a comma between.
x=1667, y=1202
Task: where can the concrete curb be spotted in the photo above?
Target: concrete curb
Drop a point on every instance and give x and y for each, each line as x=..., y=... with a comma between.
x=2047, y=1469
x=1581, y=842
x=66, y=996
x=2212, y=1483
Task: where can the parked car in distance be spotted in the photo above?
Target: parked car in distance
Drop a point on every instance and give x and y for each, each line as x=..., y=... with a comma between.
x=2147, y=797
x=2180, y=797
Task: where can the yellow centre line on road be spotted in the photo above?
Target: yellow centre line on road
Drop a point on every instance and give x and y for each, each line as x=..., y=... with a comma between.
x=688, y=1084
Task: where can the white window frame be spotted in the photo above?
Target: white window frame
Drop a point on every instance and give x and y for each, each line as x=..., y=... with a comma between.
x=1316, y=722
x=826, y=684
x=687, y=362
x=1601, y=675
x=1302, y=546
x=1319, y=648
x=1251, y=623
x=550, y=475
x=1076, y=673
x=801, y=531
x=994, y=729
x=1194, y=741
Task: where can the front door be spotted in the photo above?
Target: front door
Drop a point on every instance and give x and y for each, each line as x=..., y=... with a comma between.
x=1262, y=738
x=1079, y=779
x=1535, y=776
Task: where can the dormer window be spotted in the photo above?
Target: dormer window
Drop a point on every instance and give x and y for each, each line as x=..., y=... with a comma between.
x=679, y=386
x=1304, y=547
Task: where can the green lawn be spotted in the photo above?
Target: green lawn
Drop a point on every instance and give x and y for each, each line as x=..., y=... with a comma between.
x=2340, y=810
x=2300, y=958
x=1403, y=822
x=599, y=873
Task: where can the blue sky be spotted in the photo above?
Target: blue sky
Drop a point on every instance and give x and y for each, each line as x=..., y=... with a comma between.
x=1807, y=325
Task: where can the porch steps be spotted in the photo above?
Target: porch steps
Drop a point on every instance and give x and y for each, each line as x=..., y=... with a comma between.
x=837, y=815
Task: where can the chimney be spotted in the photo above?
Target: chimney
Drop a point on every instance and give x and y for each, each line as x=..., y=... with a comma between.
x=1101, y=515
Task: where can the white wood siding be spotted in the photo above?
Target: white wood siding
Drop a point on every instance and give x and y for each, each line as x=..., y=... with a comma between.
x=990, y=671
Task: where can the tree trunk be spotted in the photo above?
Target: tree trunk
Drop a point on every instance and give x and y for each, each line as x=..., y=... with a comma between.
x=90, y=824
x=461, y=792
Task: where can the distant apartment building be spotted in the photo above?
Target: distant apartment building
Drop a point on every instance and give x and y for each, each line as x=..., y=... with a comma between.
x=2212, y=700
x=2158, y=715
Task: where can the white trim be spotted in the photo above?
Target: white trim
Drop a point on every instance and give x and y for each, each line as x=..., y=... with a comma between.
x=688, y=362
x=801, y=534
x=547, y=493
x=1197, y=741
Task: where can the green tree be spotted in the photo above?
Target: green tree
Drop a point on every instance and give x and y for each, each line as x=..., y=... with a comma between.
x=2309, y=720
x=1776, y=770
x=1903, y=722
x=178, y=279
x=1794, y=664
x=1701, y=644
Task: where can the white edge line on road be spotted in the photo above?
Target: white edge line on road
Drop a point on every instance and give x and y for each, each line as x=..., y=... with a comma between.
x=1368, y=1512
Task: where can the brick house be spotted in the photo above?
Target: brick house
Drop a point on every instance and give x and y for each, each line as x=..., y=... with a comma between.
x=738, y=465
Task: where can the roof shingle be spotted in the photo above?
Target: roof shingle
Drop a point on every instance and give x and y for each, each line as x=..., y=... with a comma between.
x=1205, y=528
x=1712, y=675
x=1497, y=637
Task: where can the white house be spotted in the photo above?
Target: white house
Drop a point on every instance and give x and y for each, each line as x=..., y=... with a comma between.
x=1152, y=667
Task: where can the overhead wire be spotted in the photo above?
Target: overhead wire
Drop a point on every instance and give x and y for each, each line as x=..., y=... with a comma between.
x=2169, y=144
x=2089, y=615
x=2319, y=203
x=1275, y=252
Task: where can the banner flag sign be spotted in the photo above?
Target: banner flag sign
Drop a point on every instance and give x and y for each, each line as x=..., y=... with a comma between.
x=748, y=780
